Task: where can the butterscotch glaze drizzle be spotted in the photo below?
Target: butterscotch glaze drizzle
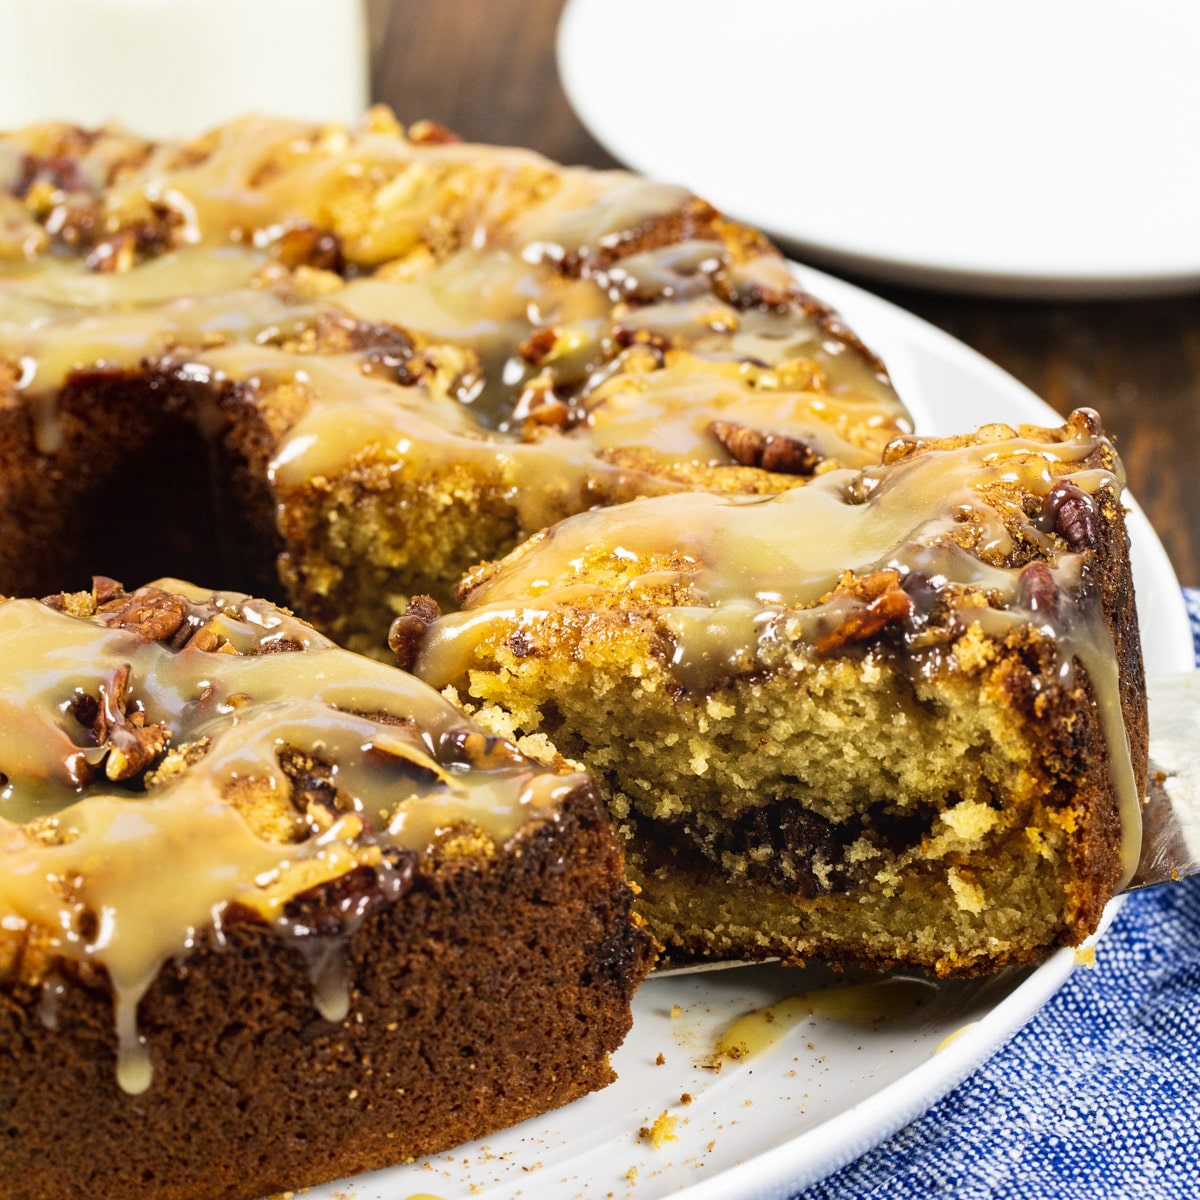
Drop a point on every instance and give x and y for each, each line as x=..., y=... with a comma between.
x=510, y=269
x=126, y=878
x=511, y=287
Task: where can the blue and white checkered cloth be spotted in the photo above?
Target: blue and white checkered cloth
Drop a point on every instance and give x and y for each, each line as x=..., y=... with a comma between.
x=1097, y=1098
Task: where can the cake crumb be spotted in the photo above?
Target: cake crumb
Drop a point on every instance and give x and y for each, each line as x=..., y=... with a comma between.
x=686, y=1098
x=631, y=1175
x=660, y=1061
x=676, y=1012
x=1085, y=956
x=661, y=1132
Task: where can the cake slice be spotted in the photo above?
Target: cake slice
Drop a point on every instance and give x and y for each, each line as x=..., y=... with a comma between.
x=894, y=718
x=272, y=913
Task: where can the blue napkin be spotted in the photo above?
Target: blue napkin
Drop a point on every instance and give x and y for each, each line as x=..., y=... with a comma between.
x=1098, y=1097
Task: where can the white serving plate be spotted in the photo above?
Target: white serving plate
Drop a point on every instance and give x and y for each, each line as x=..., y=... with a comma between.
x=831, y=1089
x=1024, y=148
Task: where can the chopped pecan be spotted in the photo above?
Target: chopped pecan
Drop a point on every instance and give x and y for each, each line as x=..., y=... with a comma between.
x=1072, y=513
x=304, y=245
x=537, y=346
x=401, y=367
x=770, y=451
x=1037, y=589
x=408, y=630
x=279, y=644
x=337, y=907
x=114, y=254
x=886, y=600
x=314, y=794
x=132, y=744
x=154, y=615
x=538, y=409
x=430, y=133
x=625, y=336
x=480, y=750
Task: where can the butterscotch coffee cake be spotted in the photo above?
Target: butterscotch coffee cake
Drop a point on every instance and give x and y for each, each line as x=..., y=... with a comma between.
x=369, y=360
x=273, y=913
x=848, y=692
x=893, y=718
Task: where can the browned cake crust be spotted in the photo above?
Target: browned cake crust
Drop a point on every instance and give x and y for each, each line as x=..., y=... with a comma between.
x=414, y=935
x=489, y=993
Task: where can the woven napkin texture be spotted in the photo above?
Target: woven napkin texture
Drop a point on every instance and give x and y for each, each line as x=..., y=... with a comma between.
x=1097, y=1098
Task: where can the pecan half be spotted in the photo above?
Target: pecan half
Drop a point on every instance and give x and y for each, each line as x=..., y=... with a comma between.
x=770, y=451
x=1073, y=516
x=132, y=744
x=886, y=600
x=154, y=615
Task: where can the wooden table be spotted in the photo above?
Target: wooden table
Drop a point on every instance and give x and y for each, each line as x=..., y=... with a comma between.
x=487, y=70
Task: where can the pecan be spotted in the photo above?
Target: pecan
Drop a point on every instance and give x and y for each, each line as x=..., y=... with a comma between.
x=337, y=334
x=537, y=346
x=154, y=615
x=1037, y=589
x=61, y=171
x=304, y=245
x=313, y=792
x=408, y=630
x=886, y=600
x=132, y=744
x=481, y=750
x=770, y=451
x=105, y=590
x=625, y=336
x=278, y=644
x=114, y=254
x=1072, y=513
x=430, y=133
x=337, y=907
x=538, y=409
x=401, y=367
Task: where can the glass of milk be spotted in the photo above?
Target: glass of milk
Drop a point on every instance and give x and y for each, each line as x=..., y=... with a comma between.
x=173, y=68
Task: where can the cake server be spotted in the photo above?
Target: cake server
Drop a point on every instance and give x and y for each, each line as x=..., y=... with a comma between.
x=1171, y=816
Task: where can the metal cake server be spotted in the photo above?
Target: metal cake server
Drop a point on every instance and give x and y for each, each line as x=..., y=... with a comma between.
x=1171, y=816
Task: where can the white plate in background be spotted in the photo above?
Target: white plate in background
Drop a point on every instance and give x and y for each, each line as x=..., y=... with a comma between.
x=830, y=1090
x=1025, y=148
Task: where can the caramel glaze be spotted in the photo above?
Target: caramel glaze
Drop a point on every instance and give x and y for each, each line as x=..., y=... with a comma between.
x=579, y=332
x=133, y=736
x=995, y=529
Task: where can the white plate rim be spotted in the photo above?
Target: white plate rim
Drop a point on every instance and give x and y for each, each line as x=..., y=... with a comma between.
x=1032, y=273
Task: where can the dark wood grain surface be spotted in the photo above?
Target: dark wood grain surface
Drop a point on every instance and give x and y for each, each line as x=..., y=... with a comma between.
x=488, y=71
